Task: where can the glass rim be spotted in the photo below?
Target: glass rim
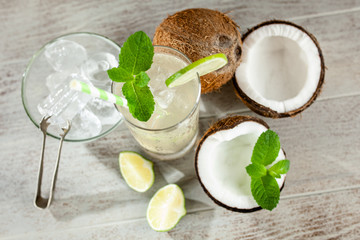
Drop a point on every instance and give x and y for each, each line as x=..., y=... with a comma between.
x=187, y=116
x=25, y=74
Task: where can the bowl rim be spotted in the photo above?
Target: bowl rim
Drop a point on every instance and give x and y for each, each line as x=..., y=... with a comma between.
x=27, y=69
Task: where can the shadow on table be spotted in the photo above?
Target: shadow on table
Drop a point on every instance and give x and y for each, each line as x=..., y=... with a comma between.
x=117, y=202
x=99, y=208
x=126, y=204
x=111, y=206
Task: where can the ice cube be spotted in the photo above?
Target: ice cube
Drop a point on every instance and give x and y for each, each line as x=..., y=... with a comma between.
x=157, y=82
x=65, y=56
x=85, y=125
x=54, y=80
x=164, y=97
x=63, y=103
x=95, y=68
x=105, y=111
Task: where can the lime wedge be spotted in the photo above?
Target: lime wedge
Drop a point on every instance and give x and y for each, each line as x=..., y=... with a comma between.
x=137, y=171
x=202, y=66
x=166, y=208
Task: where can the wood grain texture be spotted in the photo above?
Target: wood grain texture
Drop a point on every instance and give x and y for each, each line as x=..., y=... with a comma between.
x=85, y=199
x=323, y=216
x=91, y=199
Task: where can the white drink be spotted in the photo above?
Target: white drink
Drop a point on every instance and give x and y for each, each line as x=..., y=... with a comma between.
x=174, y=124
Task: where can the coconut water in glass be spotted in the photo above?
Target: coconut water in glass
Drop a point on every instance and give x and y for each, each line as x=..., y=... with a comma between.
x=172, y=129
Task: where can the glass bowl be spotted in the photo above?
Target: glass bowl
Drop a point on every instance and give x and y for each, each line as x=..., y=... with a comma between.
x=40, y=71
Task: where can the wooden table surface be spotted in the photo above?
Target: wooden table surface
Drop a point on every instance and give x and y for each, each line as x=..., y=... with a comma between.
x=321, y=199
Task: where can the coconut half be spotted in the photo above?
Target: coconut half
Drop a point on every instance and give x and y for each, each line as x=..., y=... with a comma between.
x=221, y=157
x=199, y=33
x=282, y=69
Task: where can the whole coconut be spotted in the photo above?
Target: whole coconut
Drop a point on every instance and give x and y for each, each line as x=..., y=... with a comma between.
x=199, y=33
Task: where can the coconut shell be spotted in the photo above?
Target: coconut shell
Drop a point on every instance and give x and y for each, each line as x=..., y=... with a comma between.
x=224, y=124
x=265, y=111
x=199, y=33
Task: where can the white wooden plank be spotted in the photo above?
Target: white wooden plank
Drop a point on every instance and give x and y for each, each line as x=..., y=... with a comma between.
x=91, y=191
x=335, y=30
x=328, y=216
x=91, y=199
x=341, y=61
x=35, y=22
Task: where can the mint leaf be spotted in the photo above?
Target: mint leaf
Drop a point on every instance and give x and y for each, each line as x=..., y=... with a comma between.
x=280, y=167
x=140, y=100
x=135, y=58
x=136, y=53
x=274, y=174
x=119, y=74
x=265, y=191
x=264, y=187
x=142, y=79
x=266, y=148
x=256, y=170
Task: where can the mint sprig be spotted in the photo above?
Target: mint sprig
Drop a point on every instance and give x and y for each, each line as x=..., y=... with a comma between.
x=280, y=167
x=256, y=170
x=266, y=190
x=264, y=187
x=135, y=58
x=266, y=148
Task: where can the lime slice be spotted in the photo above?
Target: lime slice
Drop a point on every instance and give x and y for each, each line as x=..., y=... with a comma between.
x=137, y=171
x=166, y=208
x=202, y=66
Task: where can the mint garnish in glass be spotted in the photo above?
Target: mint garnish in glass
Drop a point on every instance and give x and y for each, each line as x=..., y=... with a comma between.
x=135, y=58
x=264, y=186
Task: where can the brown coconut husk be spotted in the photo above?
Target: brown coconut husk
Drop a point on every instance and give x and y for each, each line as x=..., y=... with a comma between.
x=199, y=33
x=224, y=124
x=265, y=111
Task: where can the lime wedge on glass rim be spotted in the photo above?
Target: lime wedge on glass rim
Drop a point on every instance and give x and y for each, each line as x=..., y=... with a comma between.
x=137, y=171
x=166, y=208
x=202, y=66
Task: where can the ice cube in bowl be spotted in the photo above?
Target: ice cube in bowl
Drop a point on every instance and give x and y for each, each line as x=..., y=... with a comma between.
x=41, y=79
x=95, y=69
x=64, y=55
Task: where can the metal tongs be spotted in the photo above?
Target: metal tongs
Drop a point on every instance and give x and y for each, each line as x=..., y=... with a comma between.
x=42, y=202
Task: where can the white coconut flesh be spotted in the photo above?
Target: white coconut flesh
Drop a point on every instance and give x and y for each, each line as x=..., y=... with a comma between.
x=280, y=67
x=221, y=164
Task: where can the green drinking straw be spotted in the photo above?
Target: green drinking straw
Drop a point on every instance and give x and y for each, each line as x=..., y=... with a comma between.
x=97, y=92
